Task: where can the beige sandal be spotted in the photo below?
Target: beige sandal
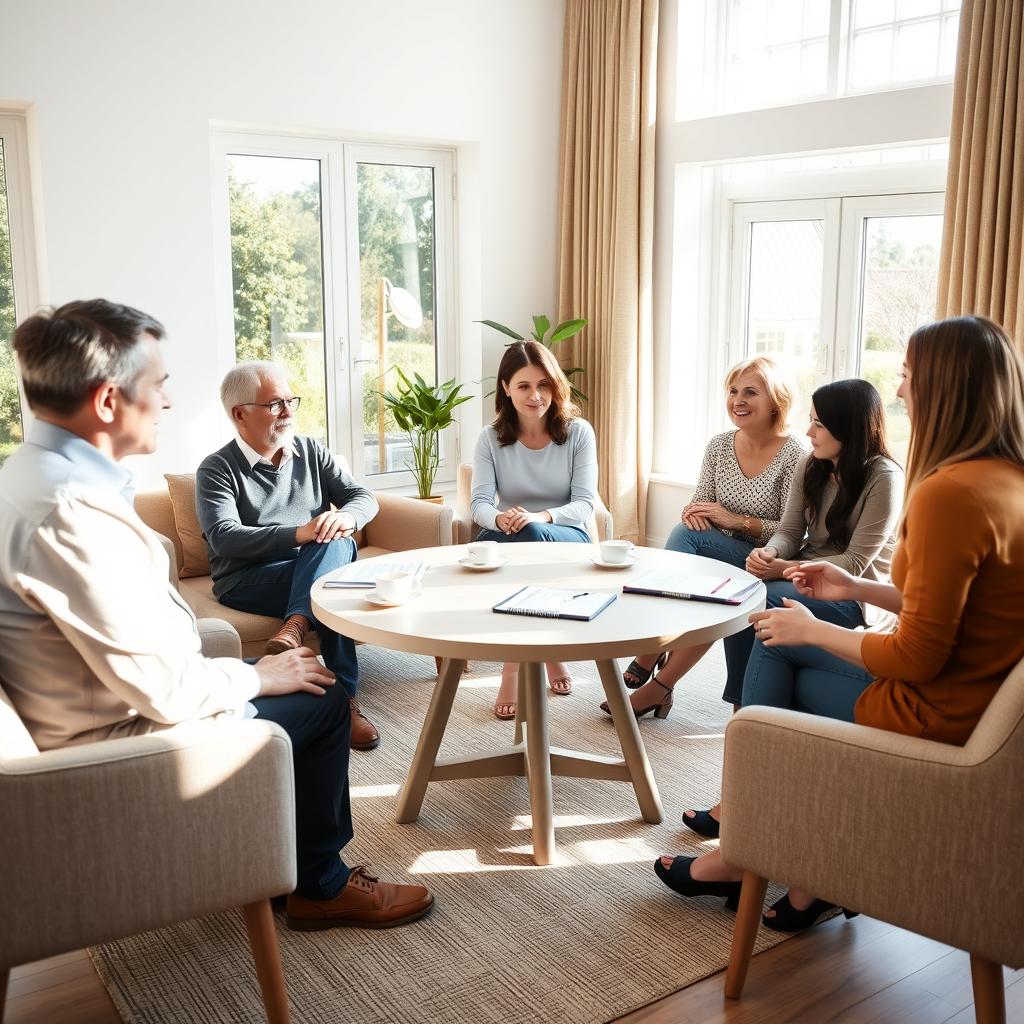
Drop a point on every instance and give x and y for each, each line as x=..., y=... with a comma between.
x=506, y=709
x=559, y=680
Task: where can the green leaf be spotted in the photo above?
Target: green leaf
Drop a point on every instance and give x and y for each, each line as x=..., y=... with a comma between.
x=568, y=329
x=500, y=327
x=541, y=326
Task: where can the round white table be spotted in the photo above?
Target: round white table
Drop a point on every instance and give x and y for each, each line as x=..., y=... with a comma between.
x=452, y=619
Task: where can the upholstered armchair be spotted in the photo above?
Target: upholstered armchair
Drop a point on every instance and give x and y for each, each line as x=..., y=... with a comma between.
x=600, y=526
x=923, y=835
x=109, y=839
x=401, y=525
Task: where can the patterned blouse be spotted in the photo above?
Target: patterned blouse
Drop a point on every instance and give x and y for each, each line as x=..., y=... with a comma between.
x=762, y=497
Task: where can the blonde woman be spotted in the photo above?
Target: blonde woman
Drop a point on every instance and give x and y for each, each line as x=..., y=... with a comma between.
x=534, y=473
x=736, y=507
x=957, y=583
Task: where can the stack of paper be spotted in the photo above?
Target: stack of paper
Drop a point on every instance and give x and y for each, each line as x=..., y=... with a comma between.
x=364, y=574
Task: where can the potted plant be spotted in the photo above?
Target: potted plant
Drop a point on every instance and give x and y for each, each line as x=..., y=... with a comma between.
x=541, y=325
x=423, y=410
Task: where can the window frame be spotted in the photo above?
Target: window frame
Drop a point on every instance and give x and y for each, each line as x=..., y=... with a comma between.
x=340, y=269
x=21, y=214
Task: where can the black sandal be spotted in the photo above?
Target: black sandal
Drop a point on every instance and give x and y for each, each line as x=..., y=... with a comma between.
x=679, y=879
x=788, y=919
x=641, y=674
x=703, y=824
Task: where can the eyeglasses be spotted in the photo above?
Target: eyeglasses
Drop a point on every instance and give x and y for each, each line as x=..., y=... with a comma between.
x=276, y=407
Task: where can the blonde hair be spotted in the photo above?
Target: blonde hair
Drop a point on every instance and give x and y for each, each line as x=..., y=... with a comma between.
x=771, y=376
x=967, y=396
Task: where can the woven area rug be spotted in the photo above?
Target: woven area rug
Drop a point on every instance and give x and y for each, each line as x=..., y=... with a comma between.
x=581, y=941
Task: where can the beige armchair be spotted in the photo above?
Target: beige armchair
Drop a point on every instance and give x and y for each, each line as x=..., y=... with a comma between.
x=923, y=835
x=401, y=525
x=109, y=839
x=600, y=526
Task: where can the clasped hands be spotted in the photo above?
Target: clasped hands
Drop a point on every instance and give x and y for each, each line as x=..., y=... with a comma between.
x=514, y=519
x=794, y=624
x=326, y=527
x=702, y=515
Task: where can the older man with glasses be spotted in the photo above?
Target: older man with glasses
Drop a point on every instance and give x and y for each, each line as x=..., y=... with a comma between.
x=265, y=504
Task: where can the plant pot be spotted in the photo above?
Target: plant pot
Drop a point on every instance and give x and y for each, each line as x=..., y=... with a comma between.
x=434, y=499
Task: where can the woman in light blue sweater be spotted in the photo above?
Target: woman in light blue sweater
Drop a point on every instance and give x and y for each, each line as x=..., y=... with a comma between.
x=534, y=473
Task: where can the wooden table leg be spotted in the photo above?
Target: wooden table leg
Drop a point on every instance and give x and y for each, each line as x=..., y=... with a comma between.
x=411, y=799
x=520, y=707
x=633, y=752
x=538, y=762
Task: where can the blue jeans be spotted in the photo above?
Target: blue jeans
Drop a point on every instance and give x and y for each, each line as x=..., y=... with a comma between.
x=538, y=531
x=739, y=645
x=804, y=679
x=319, y=728
x=282, y=589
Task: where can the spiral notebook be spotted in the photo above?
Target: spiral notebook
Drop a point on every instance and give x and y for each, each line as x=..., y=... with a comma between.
x=550, y=603
x=693, y=587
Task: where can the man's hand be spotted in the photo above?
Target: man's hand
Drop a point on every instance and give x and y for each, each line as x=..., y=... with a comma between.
x=823, y=581
x=326, y=527
x=295, y=671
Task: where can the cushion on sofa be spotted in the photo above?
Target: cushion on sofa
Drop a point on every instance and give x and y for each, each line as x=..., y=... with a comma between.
x=195, y=560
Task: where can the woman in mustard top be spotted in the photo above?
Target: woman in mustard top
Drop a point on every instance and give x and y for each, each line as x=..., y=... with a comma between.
x=957, y=582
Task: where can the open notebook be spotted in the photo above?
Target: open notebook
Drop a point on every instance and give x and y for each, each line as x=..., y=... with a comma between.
x=693, y=586
x=552, y=603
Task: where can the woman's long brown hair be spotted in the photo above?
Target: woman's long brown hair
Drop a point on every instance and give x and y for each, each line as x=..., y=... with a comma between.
x=562, y=410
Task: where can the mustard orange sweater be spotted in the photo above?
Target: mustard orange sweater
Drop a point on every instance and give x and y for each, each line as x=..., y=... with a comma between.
x=960, y=568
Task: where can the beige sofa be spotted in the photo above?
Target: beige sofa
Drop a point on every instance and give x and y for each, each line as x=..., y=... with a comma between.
x=923, y=835
x=600, y=526
x=401, y=525
x=109, y=839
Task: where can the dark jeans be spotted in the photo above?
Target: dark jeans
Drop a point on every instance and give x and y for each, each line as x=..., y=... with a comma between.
x=282, y=589
x=739, y=645
x=319, y=729
x=538, y=531
x=804, y=679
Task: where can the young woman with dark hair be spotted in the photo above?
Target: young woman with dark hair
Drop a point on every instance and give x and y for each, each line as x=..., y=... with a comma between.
x=843, y=507
x=534, y=473
x=956, y=583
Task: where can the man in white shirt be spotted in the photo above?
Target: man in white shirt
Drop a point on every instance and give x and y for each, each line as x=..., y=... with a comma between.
x=94, y=640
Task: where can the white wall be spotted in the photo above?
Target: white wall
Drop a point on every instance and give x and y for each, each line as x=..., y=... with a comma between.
x=123, y=96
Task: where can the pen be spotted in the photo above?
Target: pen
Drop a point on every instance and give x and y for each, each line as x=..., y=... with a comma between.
x=586, y=593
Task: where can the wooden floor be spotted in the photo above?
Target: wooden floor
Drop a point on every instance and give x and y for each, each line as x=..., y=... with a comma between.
x=857, y=972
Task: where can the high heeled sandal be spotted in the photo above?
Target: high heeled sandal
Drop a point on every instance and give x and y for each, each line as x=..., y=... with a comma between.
x=561, y=686
x=703, y=824
x=641, y=674
x=788, y=919
x=505, y=710
x=679, y=879
x=660, y=709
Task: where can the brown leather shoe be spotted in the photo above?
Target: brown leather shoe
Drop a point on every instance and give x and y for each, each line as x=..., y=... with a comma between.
x=365, y=902
x=291, y=634
x=364, y=733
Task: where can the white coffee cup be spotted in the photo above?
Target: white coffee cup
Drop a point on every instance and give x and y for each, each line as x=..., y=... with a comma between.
x=483, y=552
x=615, y=552
x=396, y=586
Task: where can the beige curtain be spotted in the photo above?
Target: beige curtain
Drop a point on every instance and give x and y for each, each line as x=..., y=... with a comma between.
x=606, y=228
x=983, y=237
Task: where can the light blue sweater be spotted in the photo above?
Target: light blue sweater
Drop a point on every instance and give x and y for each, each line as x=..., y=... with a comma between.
x=560, y=479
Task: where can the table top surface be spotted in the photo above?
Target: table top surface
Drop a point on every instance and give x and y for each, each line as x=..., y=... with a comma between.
x=453, y=616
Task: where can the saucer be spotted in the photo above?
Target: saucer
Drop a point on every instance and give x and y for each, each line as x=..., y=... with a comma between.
x=489, y=567
x=381, y=603
x=601, y=564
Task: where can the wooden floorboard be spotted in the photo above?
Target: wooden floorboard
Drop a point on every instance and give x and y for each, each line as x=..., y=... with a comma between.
x=853, y=972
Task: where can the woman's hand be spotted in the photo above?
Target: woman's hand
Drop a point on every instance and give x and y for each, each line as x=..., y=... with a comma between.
x=765, y=564
x=823, y=581
x=791, y=626
x=692, y=521
x=516, y=518
x=712, y=512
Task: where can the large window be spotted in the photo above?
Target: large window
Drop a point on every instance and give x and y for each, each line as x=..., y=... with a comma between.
x=341, y=269
x=747, y=54
x=18, y=277
x=833, y=288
